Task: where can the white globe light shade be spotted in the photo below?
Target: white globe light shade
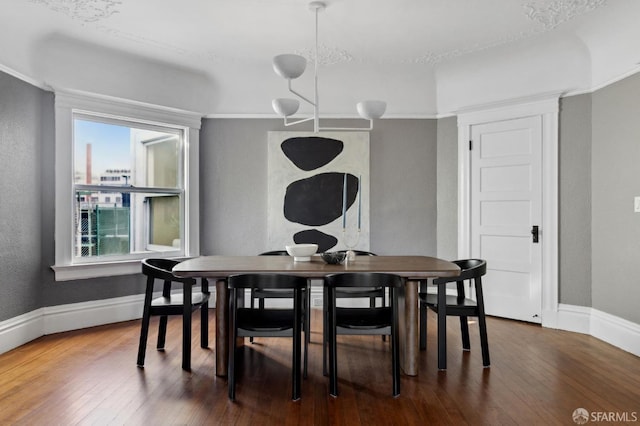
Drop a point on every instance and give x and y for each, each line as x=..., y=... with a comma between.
x=289, y=66
x=371, y=110
x=285, y=107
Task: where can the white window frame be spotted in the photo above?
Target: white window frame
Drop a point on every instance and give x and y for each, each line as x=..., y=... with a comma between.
x=67, y=267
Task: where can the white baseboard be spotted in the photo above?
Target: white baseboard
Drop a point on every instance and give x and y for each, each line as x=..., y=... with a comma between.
x=606, y=327
x=616, y=331
x=90, y=314
x=17, y=331
x=573, y=318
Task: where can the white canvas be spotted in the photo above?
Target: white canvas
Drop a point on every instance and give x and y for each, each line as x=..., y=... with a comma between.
x=353, y=159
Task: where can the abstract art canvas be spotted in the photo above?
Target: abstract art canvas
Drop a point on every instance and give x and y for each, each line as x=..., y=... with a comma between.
x=313, y=179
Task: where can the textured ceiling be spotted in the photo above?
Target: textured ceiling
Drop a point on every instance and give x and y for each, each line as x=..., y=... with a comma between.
x=219, y=41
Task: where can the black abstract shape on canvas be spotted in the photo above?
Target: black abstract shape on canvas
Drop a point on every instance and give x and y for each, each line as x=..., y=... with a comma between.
x=311, y=152
x=317, y=200
x=324, y=241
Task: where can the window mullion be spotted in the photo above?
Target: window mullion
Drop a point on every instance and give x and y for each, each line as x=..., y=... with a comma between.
x=119, y=188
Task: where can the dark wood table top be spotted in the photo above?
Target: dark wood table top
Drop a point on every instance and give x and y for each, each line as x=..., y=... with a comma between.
x=411, y=267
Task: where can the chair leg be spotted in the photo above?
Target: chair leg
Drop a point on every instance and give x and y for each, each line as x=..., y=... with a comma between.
x=395, y=359
x=333, y=365
x=232, y=374
x=333, y=350
x=305, y=366
x=464, y=332
x=482, y=322
x=423, y=326
x=484, y=342
x=325, y=331
x=307, y=328
x=142, y=346
x=383, y=304
x=252, y=304
x=186, y=327
x=162, y=332
x=144, y=328
x=162, y=329
x=297, y=341
x=204, y=316
x=231, y=366
x=442, y=327
x=204, y=326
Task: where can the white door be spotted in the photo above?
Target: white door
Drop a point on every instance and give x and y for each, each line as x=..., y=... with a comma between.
x=506, y=194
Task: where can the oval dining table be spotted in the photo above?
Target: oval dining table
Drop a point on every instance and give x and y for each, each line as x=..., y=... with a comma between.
x=412, y=268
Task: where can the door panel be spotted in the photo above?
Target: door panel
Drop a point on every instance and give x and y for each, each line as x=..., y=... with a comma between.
x=505, y=203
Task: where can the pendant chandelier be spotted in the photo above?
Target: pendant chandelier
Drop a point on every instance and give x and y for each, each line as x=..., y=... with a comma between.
x=291, y=66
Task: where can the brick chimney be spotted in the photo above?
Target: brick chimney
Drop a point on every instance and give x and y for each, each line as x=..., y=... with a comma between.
x=89, y=164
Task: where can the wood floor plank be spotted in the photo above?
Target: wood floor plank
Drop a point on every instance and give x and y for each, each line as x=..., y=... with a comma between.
x=537, y=376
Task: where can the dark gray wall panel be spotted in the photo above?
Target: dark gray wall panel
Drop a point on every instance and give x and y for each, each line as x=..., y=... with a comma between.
x=616, y=181
x=575, y=200
x=21, y=137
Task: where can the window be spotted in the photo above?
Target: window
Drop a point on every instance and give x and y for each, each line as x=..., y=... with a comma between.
x=126, y=185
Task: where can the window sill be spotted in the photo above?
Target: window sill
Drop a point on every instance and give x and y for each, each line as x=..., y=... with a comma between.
x=94, y=270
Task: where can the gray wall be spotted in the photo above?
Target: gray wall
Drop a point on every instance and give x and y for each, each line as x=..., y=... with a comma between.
x=615, y=182
x=21, y=137
x=234, y=185
x=575, y=200
x=447, y=188
x=27, y=209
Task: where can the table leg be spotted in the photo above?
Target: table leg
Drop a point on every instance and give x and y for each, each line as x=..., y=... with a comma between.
x=222, y=328
x=409, y=330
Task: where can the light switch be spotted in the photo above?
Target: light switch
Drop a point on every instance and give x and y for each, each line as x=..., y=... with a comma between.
x=636, y=204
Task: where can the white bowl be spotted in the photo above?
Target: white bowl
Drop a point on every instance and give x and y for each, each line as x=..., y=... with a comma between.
x=302, y=252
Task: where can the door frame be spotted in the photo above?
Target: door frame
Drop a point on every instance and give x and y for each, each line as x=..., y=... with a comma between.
x=547, y=108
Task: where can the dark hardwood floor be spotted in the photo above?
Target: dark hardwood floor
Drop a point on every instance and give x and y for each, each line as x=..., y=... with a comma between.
x=537, y=376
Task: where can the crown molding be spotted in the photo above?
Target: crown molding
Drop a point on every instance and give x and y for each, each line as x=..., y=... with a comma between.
x=569, y=92
x=272, y=116
x=32, y=81
x=604, y=84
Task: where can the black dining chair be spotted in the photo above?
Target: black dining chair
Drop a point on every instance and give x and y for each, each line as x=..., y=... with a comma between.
x=172, y=304
x=362, y=321
x=261, y=293
x=371, y=293
x=266, y=322
x=459, y=305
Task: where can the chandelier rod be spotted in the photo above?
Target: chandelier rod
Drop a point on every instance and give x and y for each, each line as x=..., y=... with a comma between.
x=316, y=107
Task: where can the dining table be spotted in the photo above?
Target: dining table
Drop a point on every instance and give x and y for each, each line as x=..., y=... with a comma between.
x=413, y=268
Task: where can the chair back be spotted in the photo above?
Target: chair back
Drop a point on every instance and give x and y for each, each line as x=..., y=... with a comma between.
x=161, y=269
x=363, y=279
x=359, y=252
x=266, y=281
x=275, y=253
x=469, y=269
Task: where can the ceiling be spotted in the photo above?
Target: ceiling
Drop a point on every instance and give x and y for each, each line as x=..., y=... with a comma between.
x=424, y=57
